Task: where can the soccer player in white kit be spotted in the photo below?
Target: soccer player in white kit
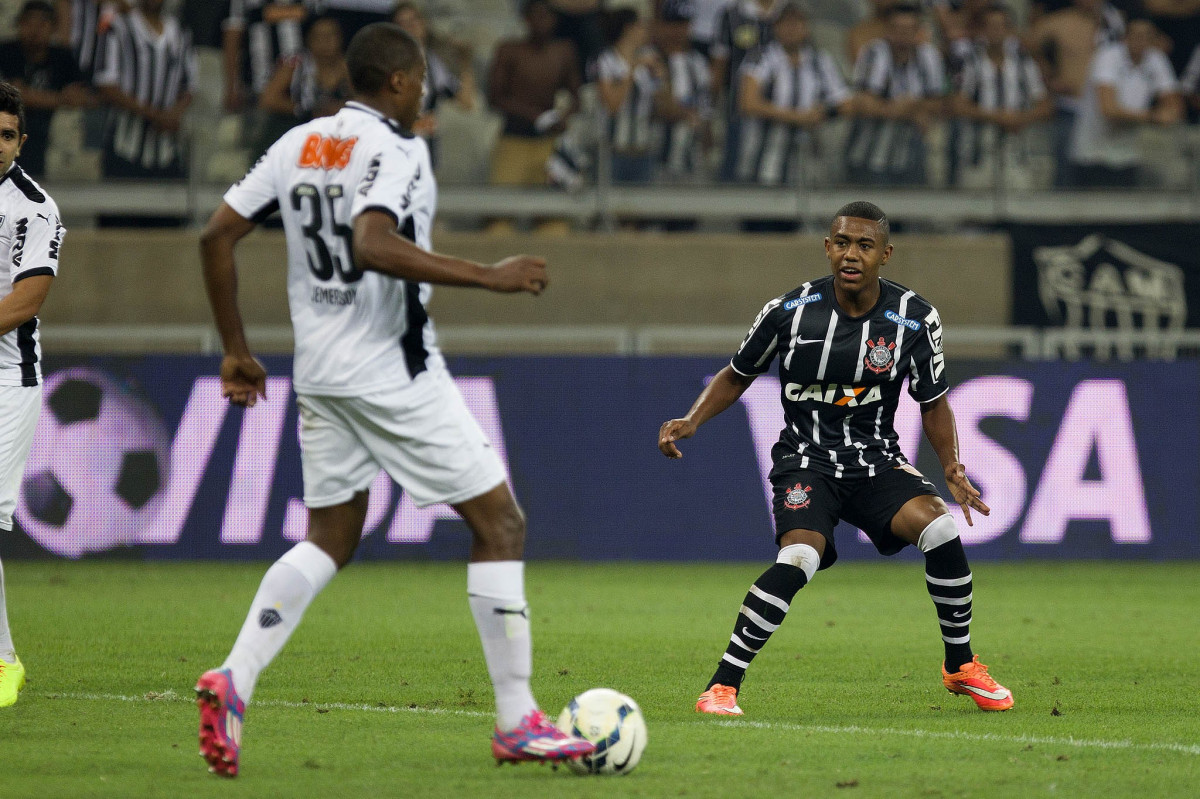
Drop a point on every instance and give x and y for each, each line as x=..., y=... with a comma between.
x=30, y=238
x=357, y=195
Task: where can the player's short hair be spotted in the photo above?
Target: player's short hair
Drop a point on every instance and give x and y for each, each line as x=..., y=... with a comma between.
x=38, y=7
x=902, y=8
x=861, y=209
x=793, y=8
x=1000, y=8
x=528, y=5
x=11, y=103
x=377, y=52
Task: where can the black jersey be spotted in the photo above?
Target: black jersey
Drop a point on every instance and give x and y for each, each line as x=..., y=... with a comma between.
x=840, y=376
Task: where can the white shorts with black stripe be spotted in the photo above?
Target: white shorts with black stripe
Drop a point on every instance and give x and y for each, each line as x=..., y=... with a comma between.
x=422, y=435
x=19, y=410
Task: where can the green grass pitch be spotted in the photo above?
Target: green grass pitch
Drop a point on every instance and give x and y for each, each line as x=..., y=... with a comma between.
x=383, y=690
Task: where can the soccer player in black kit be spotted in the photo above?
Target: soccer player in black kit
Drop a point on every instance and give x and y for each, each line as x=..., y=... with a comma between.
x=845, y=344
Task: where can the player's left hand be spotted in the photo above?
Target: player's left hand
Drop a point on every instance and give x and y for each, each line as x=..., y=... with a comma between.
x=966, y=495
x=243, y=380
x=672, y=431
x=519, y=273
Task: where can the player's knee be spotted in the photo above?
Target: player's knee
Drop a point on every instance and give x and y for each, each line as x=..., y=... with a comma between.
x=939, y=531
x=803, y=557
x=506, y=530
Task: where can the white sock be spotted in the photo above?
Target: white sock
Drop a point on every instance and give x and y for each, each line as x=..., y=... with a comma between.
x=7, y=652
x=496, y=590
x=285, y=592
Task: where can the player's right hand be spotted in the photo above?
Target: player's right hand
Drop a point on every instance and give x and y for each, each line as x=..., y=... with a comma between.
x=518, y=273
x=672, y=431
x=243, y=380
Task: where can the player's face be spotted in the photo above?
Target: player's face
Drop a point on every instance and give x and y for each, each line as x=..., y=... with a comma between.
x=412, y=22
x=791, y=31
x=995, y=28
x=904, y=31
x=10, y=140
x=412, y=92
x=855, y=250
x=34, y=29
x=325, y=40
x=1139, y=38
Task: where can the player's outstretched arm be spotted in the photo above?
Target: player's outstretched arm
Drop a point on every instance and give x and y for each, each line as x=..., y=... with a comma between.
x=937, y=419
x=243, y=378
x=379, y=248
x=723, y=391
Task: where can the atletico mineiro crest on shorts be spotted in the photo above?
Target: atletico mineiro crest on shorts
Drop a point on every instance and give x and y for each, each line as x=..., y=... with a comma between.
x=798, y=497
x=879, y=357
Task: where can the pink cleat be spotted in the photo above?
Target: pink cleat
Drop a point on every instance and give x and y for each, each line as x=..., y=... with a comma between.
x=535, y=738
x=221, y=713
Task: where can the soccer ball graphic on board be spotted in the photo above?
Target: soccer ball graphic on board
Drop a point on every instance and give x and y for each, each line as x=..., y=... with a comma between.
x=98, y=466
x=614, y=723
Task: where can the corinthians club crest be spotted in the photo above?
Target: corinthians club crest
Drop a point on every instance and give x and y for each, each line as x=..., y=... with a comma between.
x=879, y=357
x=797, y=497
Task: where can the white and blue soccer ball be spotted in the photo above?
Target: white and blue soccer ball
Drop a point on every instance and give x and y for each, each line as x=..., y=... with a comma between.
x=614, y=723
x=97, y=472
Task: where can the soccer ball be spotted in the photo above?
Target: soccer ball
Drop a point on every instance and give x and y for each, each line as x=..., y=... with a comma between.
x=614, y=723
x=98, y=467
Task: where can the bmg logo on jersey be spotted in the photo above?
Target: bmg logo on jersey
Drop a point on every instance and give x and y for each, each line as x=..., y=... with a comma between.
x=833, y=394
x=326, y=152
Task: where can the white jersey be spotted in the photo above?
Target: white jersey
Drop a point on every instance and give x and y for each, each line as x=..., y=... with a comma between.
x=355, y=331
x=30, y=237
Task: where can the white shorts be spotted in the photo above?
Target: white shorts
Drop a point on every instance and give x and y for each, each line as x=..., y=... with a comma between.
x=422, y=435
x=19, y=409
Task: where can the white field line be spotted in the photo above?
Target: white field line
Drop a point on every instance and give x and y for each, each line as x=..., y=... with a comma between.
x=1048, y=740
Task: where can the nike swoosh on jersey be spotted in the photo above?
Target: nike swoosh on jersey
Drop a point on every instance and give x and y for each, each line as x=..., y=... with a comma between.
x=1001, y=694
x=809, y=341
x=749, y=634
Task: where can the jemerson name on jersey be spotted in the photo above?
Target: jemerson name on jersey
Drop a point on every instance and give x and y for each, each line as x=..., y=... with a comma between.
x=840, y=376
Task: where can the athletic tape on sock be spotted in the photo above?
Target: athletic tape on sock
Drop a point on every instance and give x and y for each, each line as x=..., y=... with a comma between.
x=938, y=532
x=802, y=556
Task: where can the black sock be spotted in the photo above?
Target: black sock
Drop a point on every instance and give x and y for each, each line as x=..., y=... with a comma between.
x=762, y=612
x=948, y=578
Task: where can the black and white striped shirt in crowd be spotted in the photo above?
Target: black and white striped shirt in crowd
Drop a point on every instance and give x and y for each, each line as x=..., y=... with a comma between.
x=89, y=21
x=631, y=127
x=1015, y=84
x=155, y=68
x=31, y=236
x=691, y=85
x=267, y=36
x=440, y=82
x=769, y=148
x=743, y=27
x=841, y=376
x=885, y=145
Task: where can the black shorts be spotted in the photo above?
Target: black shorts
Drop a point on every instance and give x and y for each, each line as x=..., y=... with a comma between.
x=810, y=500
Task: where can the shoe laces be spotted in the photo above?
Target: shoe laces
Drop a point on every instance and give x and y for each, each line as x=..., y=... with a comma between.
x=979, y=671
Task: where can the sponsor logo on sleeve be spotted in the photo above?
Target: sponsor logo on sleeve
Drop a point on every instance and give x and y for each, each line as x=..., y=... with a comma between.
x=796, y=303
x=911, y=324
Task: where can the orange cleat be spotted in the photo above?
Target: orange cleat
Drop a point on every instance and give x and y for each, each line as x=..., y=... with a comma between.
x=975, y=682
x=720, y=700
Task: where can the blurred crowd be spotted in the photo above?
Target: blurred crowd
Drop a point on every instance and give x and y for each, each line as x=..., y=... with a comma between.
x=971, y=93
